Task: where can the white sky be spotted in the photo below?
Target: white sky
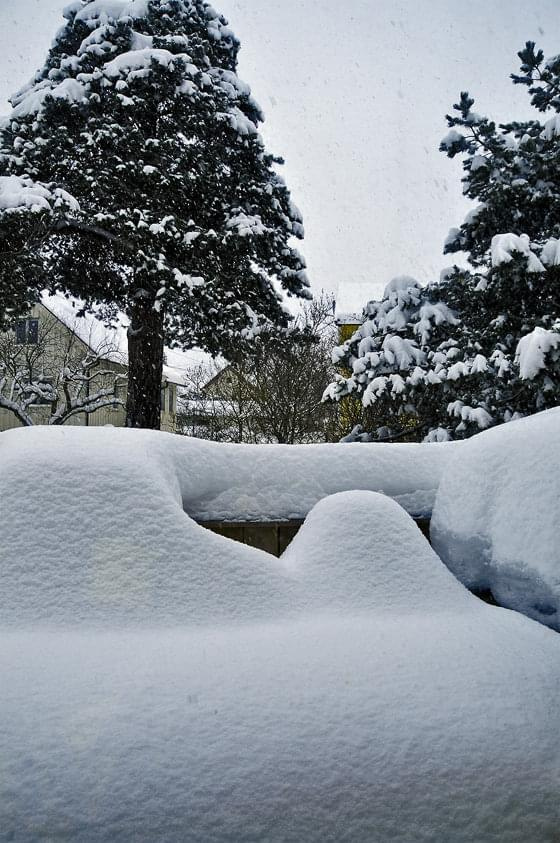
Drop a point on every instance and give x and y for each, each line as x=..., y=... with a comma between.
x=355, y=93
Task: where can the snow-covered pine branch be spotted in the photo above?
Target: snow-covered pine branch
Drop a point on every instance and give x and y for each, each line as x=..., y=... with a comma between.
x=453, y=358
x=28, y=211
x=481, y=346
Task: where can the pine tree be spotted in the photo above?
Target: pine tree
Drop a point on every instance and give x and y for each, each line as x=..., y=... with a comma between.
x=391, y=361
x=482, y=346
x=27, y=210
x=184, y=222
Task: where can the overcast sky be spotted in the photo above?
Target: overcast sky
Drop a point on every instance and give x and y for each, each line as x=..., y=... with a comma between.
x=355, y=93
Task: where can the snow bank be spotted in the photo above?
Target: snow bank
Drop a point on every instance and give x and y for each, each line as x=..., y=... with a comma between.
x=282, y=482
x=106, y=536
x=496, y=520
x=104, y=506
x=160, y=682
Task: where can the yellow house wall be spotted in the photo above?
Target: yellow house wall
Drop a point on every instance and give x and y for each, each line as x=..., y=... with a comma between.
x=350, y=408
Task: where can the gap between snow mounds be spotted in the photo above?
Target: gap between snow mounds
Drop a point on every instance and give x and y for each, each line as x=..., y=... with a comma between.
x=106, y=539
x=273, y=536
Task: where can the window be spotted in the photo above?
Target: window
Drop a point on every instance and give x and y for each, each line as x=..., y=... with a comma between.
x=162, y=400
x=27, y=331
x=170, y=399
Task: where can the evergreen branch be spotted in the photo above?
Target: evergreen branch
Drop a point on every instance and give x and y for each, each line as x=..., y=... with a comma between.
x=63, y=226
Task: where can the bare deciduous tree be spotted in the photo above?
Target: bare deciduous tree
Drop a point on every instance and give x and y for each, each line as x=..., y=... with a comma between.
x=274, y=393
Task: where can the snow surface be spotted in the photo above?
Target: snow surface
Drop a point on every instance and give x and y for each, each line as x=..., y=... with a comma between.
x=163, y=683
x=277, y=482
x=139, y=487
x=496, y=519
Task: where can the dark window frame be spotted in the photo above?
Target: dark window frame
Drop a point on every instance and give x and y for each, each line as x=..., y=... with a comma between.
x=27, y=331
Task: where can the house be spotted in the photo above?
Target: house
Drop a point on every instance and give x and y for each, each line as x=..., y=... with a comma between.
x=212, y=406
x=347, y=324
x=348, y=317
x=351, y=298
x=54, y=359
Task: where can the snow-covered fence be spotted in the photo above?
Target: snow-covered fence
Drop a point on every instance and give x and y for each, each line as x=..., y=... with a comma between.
x=272, y=536
x=228, y=482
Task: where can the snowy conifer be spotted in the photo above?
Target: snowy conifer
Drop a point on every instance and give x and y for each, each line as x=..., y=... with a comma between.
x=184, y=223
x=391, y=360
x=481, y=347
x=27, y=209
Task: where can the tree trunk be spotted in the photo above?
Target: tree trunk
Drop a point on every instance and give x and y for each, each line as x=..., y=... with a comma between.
x=145, y=365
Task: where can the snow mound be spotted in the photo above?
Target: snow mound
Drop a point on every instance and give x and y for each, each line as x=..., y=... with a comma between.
x=160, y=682
x=108, y=535
x=353, y=549
x=496, y=520
x=106, y=538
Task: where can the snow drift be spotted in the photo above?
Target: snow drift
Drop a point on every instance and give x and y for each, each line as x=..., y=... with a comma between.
x=160, y=682
x=496, y=520
x=99, y=516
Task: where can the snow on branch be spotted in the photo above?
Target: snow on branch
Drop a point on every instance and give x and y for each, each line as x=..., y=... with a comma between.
x=504, y=245
x=533, y=349
x=18, y=193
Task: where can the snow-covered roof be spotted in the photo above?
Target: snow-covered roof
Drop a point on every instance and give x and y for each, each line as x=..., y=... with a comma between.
x=351, y=298
x=109, y=342
x=344, y=318
x=112, y=342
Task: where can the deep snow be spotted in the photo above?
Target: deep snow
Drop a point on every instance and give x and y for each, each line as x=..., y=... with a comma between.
x=496, y=520
x=98, y=515
x=160, y=682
